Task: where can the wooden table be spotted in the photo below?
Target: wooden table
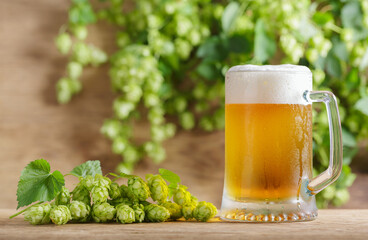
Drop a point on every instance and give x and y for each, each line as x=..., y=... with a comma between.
x=331, y=224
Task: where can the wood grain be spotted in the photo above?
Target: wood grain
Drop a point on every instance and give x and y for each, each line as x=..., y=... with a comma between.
x=33, y=125
x=331, y=224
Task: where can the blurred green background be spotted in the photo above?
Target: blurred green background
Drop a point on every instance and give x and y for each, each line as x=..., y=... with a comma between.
x=166, y=62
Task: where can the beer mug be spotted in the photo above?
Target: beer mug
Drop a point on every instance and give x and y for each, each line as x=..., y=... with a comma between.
x=268, y=144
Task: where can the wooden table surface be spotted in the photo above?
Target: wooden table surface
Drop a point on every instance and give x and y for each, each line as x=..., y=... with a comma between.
x=331, y=224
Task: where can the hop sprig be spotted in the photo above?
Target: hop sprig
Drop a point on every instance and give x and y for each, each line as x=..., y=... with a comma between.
x=80, y=193
x=139, y=188
x=204, y=211
x=158, y=188
x=174, y=209
x=156, y=213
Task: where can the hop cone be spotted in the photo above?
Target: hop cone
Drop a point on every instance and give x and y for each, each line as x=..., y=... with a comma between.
x=156, y=213
x=204, y=211
x=63, y=197
x=39, y=214
x=79, y=211
x=182, y=196
x=158, y=187
x=114, y=191
x=174, y=209
x=127, y=193
x=139, y=188
x=80, y=193
x=103, y=212
x=139, y=212
x=121, y=200
x=102, y=181
x=187, y=209
x=125, y=214
x=88, y=182
x=99, y=194
x=60, y=214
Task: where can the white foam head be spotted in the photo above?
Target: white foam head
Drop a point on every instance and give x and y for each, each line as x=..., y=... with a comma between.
x=277, y=84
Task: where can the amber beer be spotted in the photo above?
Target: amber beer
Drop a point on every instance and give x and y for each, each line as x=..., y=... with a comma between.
x=268, y=135
x=268, y=150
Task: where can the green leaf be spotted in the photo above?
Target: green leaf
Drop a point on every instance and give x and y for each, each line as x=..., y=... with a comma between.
x=321, y=18
x=124, y=175
x=37, y=184
x=333, y=65
x=348, y=139
x=208, y=70
x=340, y=51
x=213, y=49
x=264, y=43
x=229, y=16
x=351, y=15
x=239, y=44
x=169, y=176
x=88, y=168
x=362, y=105
x=364, y=61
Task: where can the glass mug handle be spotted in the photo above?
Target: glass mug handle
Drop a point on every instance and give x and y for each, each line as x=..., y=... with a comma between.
x=333, y=171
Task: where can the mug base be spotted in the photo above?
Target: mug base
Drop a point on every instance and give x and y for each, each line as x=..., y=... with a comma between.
x=291, y=210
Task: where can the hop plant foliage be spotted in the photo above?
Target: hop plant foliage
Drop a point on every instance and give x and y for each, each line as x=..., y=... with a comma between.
x=125, y=203
x=171, y=57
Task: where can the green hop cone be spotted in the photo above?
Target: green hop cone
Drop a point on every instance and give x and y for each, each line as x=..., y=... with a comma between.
x=63, y=197
x=38, y=214
x=80, y=193
x=204, y=211
x=139, y=212
x=158, y=187
x=63, y=43
x=103, y=212
x=127, y=193
x=102, y=181
x=188, y=209
x=88, y=182
x=125, y=214
x=181, y=196
x=156, y=213
x=99, y=194
x=174, y=209
x=114, y=191
x=120, y=200
x=60, y=215
x=139, y=188
x=79, y=211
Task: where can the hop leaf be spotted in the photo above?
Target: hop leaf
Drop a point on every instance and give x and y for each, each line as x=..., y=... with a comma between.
x=125, y=214
x=38, y=184
x=79, y=211
x=103, y=212
x=39, y=214
x=60, y=215
x=90, y=168
x=63, y=197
